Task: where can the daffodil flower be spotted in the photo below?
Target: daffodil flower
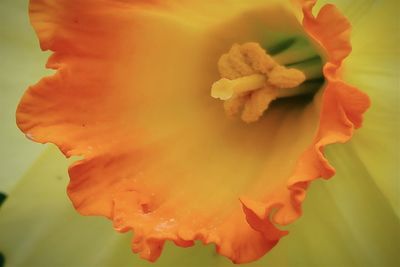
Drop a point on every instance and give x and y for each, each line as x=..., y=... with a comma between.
x=162, y=157
x=131, y=95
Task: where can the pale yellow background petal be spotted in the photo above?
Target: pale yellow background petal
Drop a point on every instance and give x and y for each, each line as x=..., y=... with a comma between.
x=348, y=221
x=374, y=67
x=21, y=64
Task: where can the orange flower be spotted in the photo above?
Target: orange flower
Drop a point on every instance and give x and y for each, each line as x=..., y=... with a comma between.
x=131, y=95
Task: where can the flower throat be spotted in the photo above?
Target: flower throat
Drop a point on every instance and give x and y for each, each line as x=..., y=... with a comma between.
x=251, y=79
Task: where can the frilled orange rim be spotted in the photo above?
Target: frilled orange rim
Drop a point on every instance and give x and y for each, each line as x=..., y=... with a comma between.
x=134, y=171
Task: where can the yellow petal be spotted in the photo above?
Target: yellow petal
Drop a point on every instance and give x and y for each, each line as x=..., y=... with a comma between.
x=21, y=64
x=374, y=66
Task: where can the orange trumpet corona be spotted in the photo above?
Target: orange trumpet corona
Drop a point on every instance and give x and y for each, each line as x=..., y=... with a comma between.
x=160, y=157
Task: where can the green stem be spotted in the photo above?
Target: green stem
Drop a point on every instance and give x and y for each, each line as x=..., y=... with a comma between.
x=312, y=68
x=309, y=87
x=299, y=51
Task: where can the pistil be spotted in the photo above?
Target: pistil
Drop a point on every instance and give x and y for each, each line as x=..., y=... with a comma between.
x=225, y=89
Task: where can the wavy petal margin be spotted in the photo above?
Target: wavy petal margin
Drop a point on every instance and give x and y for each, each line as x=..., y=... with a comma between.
x=123, y=201
x=342, y=107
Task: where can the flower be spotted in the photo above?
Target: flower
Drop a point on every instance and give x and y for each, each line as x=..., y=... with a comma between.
x=45, y=232
x=159, y=157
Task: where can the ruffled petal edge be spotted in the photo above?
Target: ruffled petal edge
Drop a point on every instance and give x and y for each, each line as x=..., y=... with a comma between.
x=341, y=112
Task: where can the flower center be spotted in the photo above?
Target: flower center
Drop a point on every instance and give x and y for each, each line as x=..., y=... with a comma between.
x=251, y=79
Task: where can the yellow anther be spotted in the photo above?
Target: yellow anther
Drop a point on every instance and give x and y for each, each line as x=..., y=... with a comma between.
x=235, y=105
x=282, y=77
x=225, y=68
x=256, y=57
x=224, y=88
x=238, y=61
x=257, y=103
x=250, y=80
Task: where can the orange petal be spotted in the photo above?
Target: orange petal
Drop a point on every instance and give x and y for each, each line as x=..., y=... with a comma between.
x=131, y=95
x=330, y=29
x=342, y=107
